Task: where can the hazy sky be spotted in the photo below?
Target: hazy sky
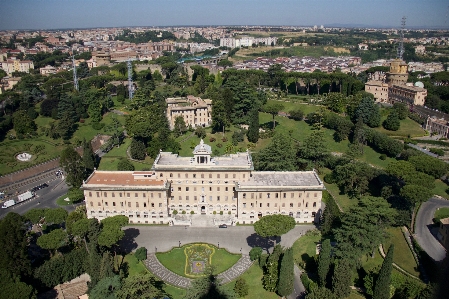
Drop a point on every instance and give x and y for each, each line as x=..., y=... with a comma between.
x=47, y=14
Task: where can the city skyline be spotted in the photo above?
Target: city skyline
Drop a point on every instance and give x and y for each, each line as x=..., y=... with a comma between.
x=60, y=14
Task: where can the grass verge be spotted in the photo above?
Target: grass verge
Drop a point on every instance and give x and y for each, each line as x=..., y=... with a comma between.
x=402, y=256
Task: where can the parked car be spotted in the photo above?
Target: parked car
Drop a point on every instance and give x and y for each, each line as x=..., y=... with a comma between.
x=223, y=226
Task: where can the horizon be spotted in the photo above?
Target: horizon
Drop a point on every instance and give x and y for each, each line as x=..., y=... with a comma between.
x=85, y=14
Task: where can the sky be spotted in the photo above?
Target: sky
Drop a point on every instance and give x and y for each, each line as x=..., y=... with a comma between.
x=58, y=14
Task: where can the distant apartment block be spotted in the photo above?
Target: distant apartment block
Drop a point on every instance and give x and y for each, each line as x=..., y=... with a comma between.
x=420, y=49
x=246, y=41
x=47, y=70
x=13, y=65
x=410, y=95
x=195, y=111
x=378, y=89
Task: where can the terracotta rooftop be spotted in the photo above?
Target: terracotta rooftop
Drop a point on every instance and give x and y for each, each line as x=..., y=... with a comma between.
x=124, y=178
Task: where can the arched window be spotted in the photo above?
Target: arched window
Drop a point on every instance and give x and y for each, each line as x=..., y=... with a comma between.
x=314, y=204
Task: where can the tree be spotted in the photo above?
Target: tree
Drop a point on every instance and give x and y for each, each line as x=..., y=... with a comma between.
x=137, y=149
x=140, y=286
x=80, y=229
x=415, y=194
x=220, y=117
x=53, y=240
x=274, y=225
x=324, y=260
x=392, y=122
x=271, y=274
x=255, y=253
x=321, y=293
x=253, y=128
x=401, y=110
x=125, y=165
x=429, y=165
x=314, y=147
x=273, y=108
x=55, y=216
x=14, y=245
x=200, y=132
x=106, y=288
x=382, y=285
x=225, y=63
x=72, y=164
x=13, y=288
x=180, y=126
x=241, y=288
x=279, y=155
x=369, y=112
x=363, y=228
x=297, y=114
x=286, y=274
x=34, y=215
x=342, y=279
x=88, y=157
x=111, y=232
x=23, y=124
x=141, y=254
x=353, y=178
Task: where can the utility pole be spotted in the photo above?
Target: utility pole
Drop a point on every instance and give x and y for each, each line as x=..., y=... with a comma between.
x=75, y=79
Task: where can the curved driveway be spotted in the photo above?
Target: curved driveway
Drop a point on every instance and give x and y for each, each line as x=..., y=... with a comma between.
x=423, y=224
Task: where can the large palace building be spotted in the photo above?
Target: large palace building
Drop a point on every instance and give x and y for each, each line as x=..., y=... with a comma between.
x=202, y=184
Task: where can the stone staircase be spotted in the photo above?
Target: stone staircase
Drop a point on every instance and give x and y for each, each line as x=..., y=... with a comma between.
x=202, y=221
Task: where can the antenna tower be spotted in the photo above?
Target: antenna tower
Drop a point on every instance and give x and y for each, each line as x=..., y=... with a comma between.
x=401, y=39
x=130, y=79
x=75, y=78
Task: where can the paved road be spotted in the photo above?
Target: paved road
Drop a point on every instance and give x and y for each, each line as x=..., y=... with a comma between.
x=299, y=289
x=235, y=239
x=422, y=226
x=46, y=197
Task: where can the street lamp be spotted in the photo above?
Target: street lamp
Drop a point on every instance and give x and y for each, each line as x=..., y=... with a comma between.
x=240, y=250
x=155, y=248
x=179, y=245
x=218, y=245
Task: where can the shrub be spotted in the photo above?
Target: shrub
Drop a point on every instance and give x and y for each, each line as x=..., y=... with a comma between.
x=212, y=139
x=241, y=288
x=183, y=212
x=215, y=212
x=221, y=212
x=219, y=145
x=255, y=253
x=229, y=212
x=97, y=126
x=125, y=165
x=192, y=212
x=175, y=212
x=224, y=139
x=141, y=254
x=383, y=157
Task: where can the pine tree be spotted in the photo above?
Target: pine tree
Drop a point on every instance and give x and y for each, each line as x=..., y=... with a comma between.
x=286, y=274
x=392, y=122
x=106, y=266
x=88, y=156
x=382, y=285
x=341, y=280
x=324, y=260
x=253, y=130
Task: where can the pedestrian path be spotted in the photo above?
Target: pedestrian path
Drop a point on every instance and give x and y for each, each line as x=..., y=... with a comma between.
x=153, y=264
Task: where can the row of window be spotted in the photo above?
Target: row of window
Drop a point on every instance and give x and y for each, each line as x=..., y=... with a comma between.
x=122, y=204
x=276, y=195
x=218, y=175
x=283, y=205
x=202, y=189
x=127, y=194
x=203, y=198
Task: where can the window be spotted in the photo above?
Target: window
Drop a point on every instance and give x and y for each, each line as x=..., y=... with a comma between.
x=252, y=195
x=218, y=176
x=268, y=195
x=268, y=204
x=91, y=203
x=226, y=188
x=194, y=188
x=106, y=203
x=99, y=204
x=210, y=188
x=120, y=194
x=161, y=175
x=244, y=205
x=276, y=195
x=113, y=203
x=307, y=194
x=128, y=194
x=315, y=194
x=291, y=205
x=260, y=205
x=144, y=194
x=187, y=188
x=210, y=197
x=252, y=205
x=129, y=204
x=180, y=198
x=98, y=194
x=275, y=205
x=90, y=194
x=210, y=175
x=195, y=198
x=218, y=188
x=179, y=175
x=218, y=198
x=179, y=188
x=202, y=175
x=283, y=205
x=144, y=204
x=152, y=204
x=151, y=195
x=307, y=204
x=260, y=195
x=187, y=175
x=121, y=203
x=244, y=175
x=233, y=176
x=244, y=195
x=135, y=195
x=137, y=204
x=171, y=175
x=299, y=204
x=292, y=195
x=226, y=175
x=314, y=204
x=187, y=198
x=284, y=195
x=159, y=195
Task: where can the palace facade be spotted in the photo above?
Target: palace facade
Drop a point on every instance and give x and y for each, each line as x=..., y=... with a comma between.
x=202, y=184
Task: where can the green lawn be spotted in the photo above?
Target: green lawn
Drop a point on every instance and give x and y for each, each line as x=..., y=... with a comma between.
x=402, y=256
x=408, y=127
x=135, y=267
x=175, y=260
x=441, y=213
x=61, y=202
x=304, y=249
x=440, y=188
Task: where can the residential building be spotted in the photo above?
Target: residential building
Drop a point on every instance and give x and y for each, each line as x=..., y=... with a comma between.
x=194, y=110
x=48, y=70
x=205, y=185
x=14, y=65
x=410, y=95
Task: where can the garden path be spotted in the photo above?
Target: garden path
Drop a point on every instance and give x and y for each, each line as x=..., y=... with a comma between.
x=153, y=264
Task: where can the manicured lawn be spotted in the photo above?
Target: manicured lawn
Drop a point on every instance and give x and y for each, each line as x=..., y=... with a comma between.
x=408, y=127
x=39, y=149
x=135, y=267
x=111, y=159
x=402, y=256
x=253, y=277
x=175, y=260
x=440, y=188
x=61, y=202
x=304, y=249
x=343, y=200
x=441, y=213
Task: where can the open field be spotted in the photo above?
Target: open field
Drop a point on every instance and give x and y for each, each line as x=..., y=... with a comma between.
x=408, y=128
